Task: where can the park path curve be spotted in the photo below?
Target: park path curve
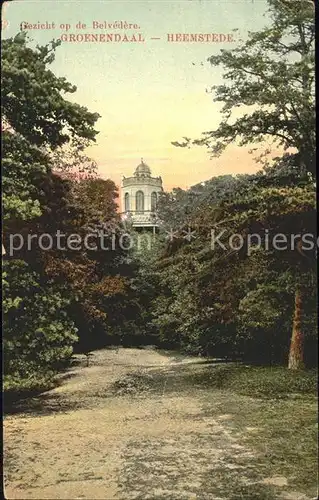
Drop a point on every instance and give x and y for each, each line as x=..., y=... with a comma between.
x=106, y=433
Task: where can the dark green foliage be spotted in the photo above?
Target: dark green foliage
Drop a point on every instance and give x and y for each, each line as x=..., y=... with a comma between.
x=237, y=304
x=37, y=120
x=32, y=97
x=38, y=334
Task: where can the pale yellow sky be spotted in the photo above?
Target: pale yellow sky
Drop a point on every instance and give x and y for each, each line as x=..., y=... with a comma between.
x=147, y=94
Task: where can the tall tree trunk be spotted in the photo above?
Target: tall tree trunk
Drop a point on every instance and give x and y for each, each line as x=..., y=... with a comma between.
x=296, y=352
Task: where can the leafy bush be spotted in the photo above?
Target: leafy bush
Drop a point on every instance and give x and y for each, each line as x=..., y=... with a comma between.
x=38, y=335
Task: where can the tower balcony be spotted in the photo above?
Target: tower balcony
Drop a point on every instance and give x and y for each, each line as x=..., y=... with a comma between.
x=147, y=218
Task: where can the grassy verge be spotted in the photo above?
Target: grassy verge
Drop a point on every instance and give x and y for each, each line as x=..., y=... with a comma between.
x=270, y=411
x=282, y=435
x=273, y=412
x=265, y=382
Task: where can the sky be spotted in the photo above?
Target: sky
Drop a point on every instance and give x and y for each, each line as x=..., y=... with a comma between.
x=148, y=94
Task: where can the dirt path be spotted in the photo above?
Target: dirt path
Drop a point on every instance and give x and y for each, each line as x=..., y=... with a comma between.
x=119, y=429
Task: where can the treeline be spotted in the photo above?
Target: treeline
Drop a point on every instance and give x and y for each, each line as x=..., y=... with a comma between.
x=223, y=301
x=221, y=285
x=55, y=299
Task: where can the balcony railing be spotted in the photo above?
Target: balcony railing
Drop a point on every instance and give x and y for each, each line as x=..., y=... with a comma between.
x=140, y=218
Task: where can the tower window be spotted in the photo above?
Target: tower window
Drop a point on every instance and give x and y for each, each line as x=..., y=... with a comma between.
x=127, y=202
x=139, y=201
x=153, y=201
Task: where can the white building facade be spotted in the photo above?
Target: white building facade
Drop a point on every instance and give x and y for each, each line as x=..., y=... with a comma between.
x=140, y=195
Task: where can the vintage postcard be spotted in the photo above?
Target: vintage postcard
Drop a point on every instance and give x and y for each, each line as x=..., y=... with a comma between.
x=159, y=249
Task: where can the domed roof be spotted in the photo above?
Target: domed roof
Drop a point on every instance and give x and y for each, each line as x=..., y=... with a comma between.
x=142, y=170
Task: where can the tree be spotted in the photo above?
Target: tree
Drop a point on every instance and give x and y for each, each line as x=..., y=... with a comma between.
x=32, y=98
x=39, y=125
x=271, y=77
x=288, y=211
x=35, y=344
x=213, y=298
x=97, y=274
